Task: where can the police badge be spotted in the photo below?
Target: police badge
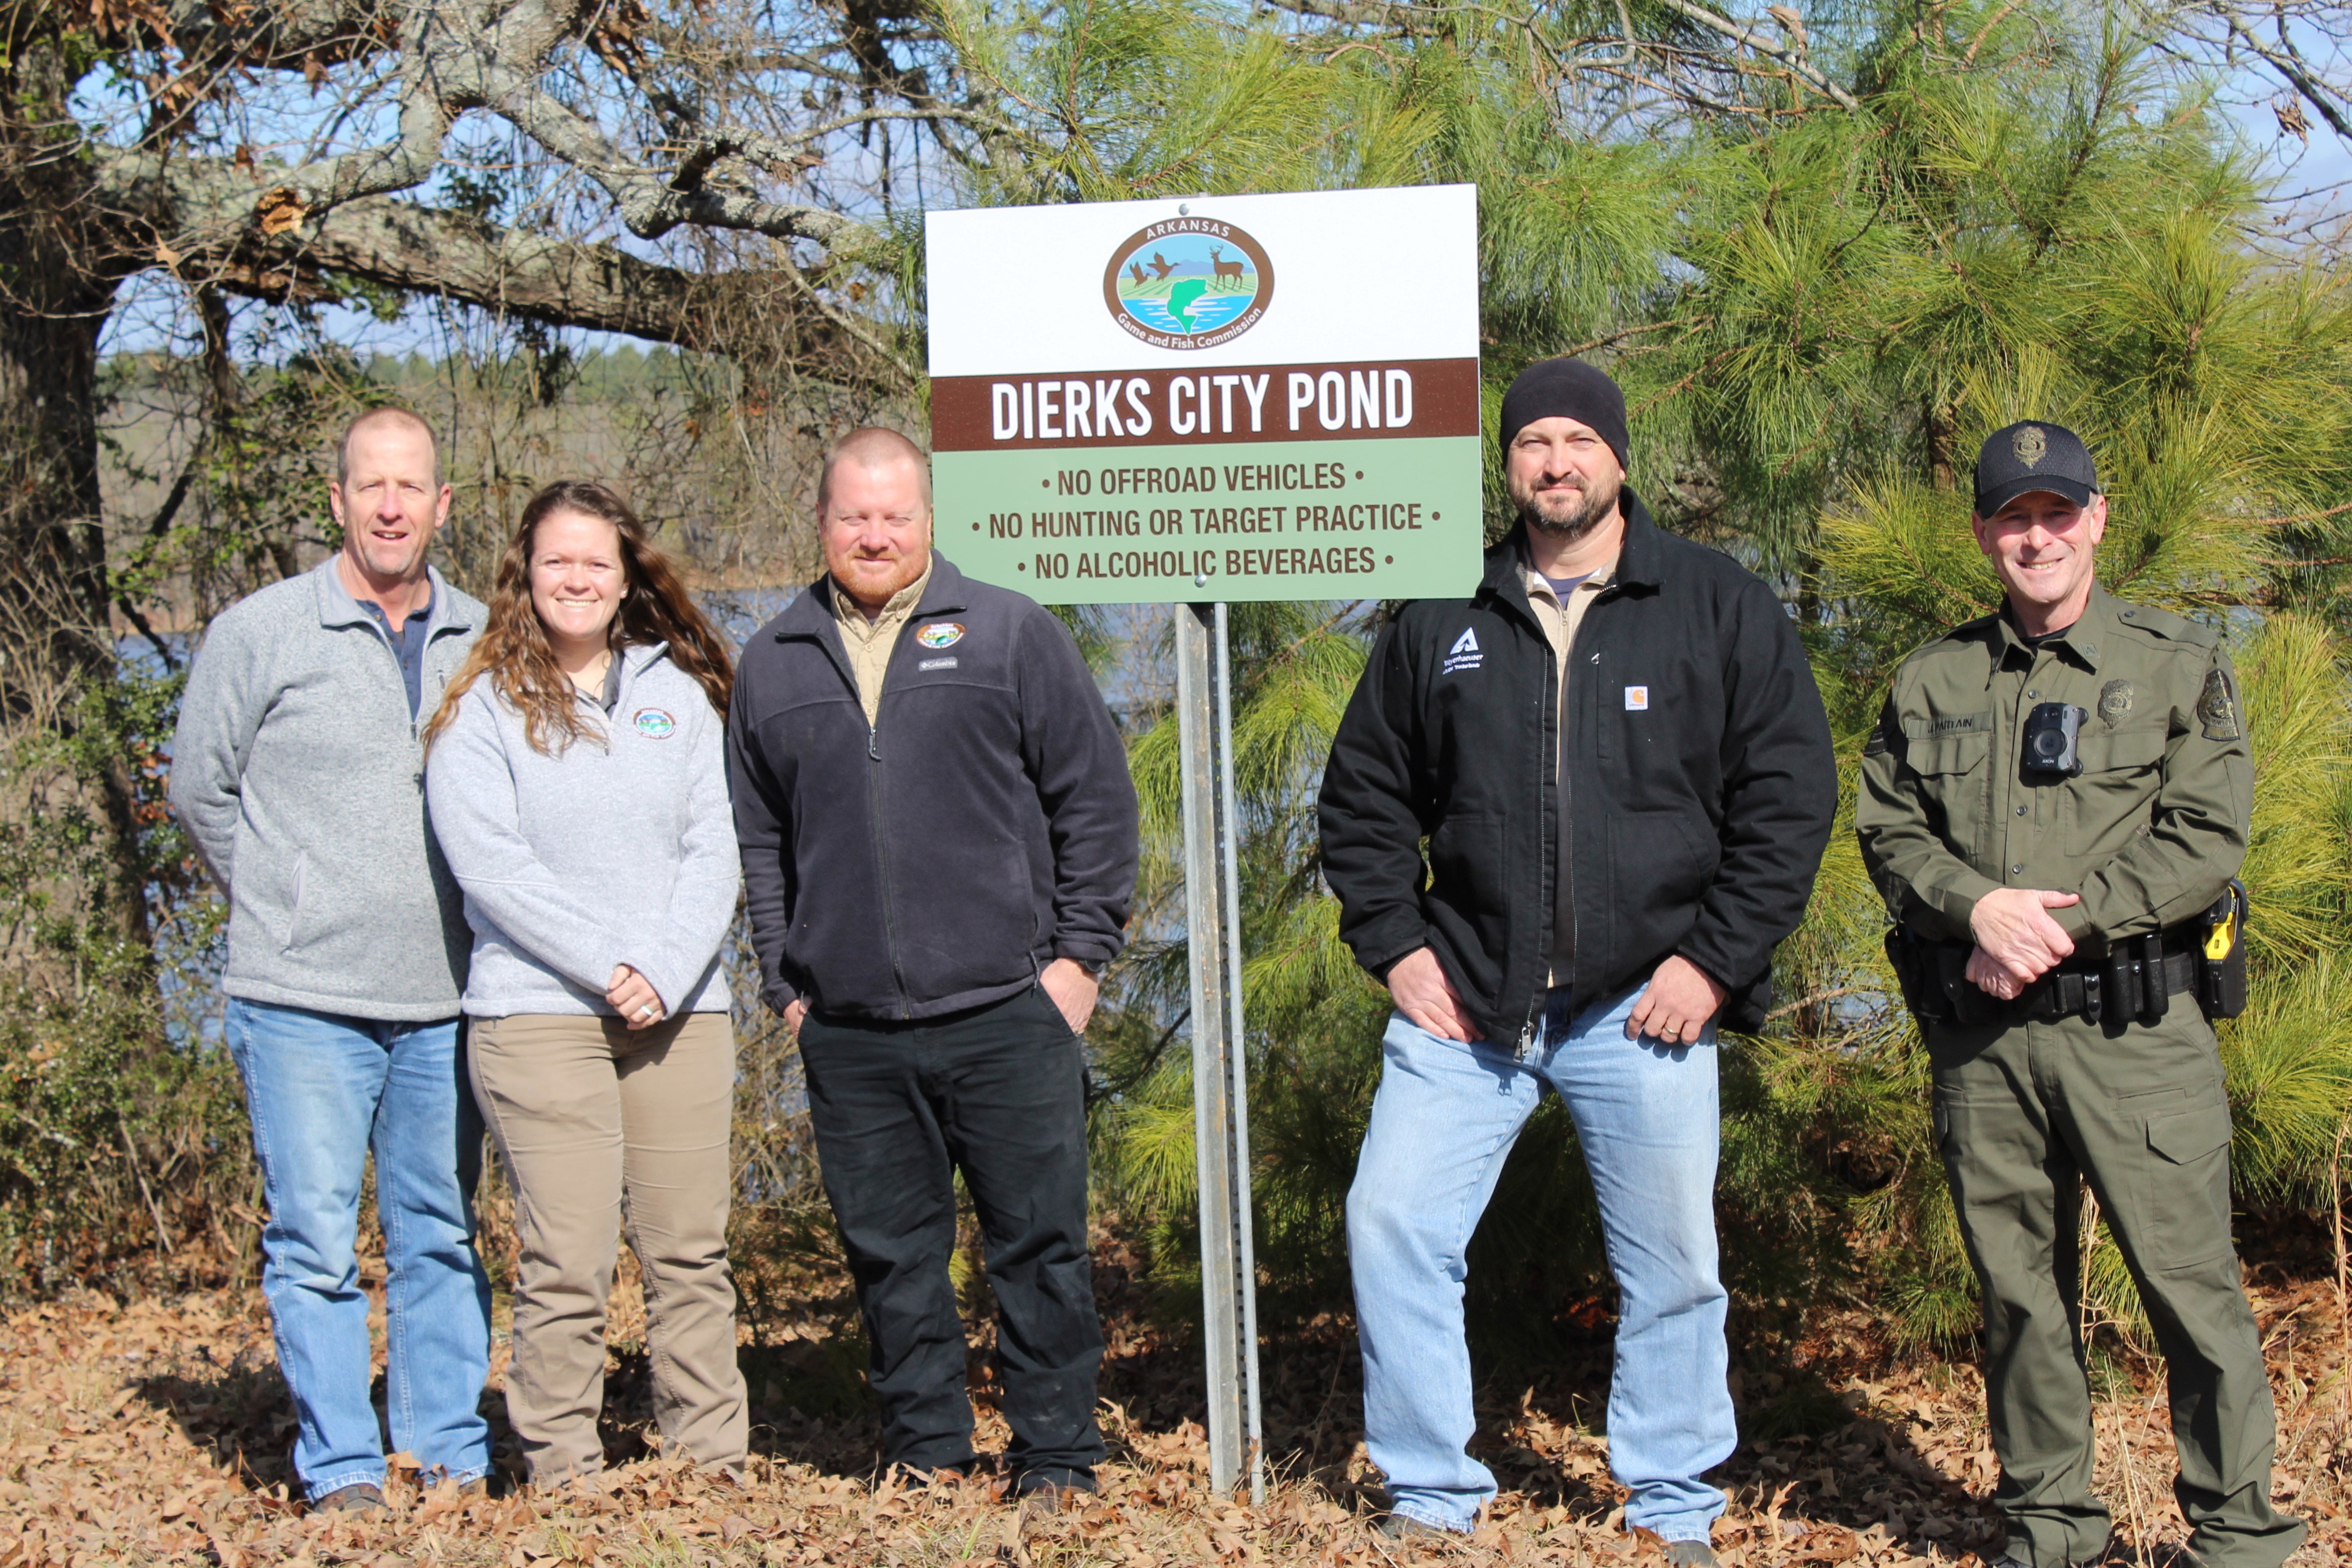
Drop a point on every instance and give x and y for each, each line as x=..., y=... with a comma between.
x=2114, y=701
x=2217, y=709
x=2030, y=445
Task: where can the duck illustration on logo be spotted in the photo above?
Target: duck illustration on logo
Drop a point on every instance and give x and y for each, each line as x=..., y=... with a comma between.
x=1188, y=283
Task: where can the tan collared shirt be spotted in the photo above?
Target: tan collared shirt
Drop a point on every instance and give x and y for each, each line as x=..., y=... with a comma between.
x=869, y=642
x=1560, y=623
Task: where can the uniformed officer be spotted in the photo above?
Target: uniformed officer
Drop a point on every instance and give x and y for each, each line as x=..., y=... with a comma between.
x=2054, y=804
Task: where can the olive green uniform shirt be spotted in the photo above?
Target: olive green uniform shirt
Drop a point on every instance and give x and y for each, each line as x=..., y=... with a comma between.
x=2150, y=831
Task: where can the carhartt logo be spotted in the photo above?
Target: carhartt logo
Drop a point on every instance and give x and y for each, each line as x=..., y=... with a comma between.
x=1637, y=700
x=1465, y=653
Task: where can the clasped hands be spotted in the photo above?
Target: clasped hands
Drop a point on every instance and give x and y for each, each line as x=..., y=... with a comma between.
x=633, y=996
x=1675, y=1007
x=2016, y=941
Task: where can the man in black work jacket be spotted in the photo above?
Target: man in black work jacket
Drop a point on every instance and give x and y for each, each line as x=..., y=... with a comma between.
x=939, y=841
x=1617, y=758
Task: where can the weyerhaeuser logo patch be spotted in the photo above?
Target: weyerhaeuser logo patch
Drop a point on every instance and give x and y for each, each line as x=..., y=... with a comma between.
x=1188, y=283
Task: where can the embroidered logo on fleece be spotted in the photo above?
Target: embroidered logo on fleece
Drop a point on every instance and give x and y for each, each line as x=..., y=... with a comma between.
x=940, y=633
x=654, y=725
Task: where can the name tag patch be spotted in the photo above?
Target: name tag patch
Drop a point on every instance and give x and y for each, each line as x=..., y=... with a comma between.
x=1637, y=700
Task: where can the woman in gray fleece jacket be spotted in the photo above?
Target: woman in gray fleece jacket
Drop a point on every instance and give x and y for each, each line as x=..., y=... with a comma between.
x=578, y=788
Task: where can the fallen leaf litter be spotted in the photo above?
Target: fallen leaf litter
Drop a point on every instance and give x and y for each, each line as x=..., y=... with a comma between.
x=156, y=1432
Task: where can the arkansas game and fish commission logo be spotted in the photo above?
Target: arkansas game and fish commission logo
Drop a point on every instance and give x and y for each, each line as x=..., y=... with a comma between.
x=1188, y=283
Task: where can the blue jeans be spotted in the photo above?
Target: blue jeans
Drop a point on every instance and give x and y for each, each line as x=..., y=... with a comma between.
x=323, y=1090
x=1446, y=1116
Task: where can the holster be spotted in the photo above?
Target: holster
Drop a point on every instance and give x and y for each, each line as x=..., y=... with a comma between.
x=1913, y=958
x=2220, y=954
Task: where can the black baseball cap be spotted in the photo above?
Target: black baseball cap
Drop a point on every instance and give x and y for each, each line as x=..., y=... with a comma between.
x=2034, y=455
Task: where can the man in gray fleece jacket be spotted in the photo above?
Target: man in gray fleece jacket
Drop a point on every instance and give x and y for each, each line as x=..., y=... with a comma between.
x=298, y=773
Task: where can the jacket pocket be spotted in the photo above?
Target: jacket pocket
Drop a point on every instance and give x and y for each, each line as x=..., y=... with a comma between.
x=1660, y=863
x=1469, y=898
x=294, y=901
x=963, y=911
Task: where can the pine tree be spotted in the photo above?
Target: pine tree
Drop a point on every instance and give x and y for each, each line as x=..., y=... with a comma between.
x=1818, y=309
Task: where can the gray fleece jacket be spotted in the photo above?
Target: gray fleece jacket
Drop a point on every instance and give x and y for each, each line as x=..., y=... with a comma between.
x=619, y=849
x=297, y=771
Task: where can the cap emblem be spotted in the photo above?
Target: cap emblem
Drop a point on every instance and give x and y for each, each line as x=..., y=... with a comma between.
x=2030, y=445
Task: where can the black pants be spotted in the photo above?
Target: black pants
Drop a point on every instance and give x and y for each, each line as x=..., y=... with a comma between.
x=998, y=1092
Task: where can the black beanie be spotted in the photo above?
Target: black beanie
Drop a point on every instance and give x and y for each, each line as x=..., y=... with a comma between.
x=1569, y=389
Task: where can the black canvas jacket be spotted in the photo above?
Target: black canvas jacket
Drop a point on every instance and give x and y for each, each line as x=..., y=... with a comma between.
x=982, y=827
x=1700, y=778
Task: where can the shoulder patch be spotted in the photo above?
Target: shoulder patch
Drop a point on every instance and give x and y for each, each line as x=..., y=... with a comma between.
x=2217, y=707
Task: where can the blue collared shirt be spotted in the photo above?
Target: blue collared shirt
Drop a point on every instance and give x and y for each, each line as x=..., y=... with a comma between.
x=407, y=642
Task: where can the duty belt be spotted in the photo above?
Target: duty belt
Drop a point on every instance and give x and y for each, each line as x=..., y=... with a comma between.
x=2135, y=981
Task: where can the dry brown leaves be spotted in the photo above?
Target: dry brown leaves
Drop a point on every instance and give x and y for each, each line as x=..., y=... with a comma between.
x=156, y=1432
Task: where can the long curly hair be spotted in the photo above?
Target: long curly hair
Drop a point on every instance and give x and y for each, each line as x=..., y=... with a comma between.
x=513, y=649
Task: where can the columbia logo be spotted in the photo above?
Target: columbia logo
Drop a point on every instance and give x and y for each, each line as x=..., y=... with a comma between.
x=1465, y=654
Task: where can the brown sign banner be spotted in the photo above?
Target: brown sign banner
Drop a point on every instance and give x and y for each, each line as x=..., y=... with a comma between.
x=1176, y=408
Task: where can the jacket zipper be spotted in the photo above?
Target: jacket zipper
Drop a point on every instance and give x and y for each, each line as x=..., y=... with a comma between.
x=882, y=854
x=1548, y=723
x=1561, y=816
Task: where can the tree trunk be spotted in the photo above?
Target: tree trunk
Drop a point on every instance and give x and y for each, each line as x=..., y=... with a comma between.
x=55, y=622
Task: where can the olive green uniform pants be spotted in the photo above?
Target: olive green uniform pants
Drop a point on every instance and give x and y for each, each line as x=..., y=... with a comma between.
x=2022, y=1111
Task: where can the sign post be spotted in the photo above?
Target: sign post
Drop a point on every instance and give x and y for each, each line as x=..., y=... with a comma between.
x=1220, y=1075
x=1191, y=402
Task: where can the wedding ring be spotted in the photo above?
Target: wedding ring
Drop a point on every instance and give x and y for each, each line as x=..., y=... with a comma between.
x=646, y=1011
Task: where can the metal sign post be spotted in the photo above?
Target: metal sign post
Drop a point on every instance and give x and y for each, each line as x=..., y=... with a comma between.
x=1220, y=1067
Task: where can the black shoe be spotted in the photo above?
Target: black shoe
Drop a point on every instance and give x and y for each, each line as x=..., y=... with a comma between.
x=361, y=1497
x=1404, y=1527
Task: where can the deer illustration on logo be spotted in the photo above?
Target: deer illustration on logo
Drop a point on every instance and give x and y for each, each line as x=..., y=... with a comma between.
x=1225, y=269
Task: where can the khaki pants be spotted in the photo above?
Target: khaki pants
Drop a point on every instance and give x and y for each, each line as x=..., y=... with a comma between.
x=2025, y=1113
x=597, y=1125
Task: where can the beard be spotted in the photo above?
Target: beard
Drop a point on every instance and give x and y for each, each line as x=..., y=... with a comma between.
x=1568, y=514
